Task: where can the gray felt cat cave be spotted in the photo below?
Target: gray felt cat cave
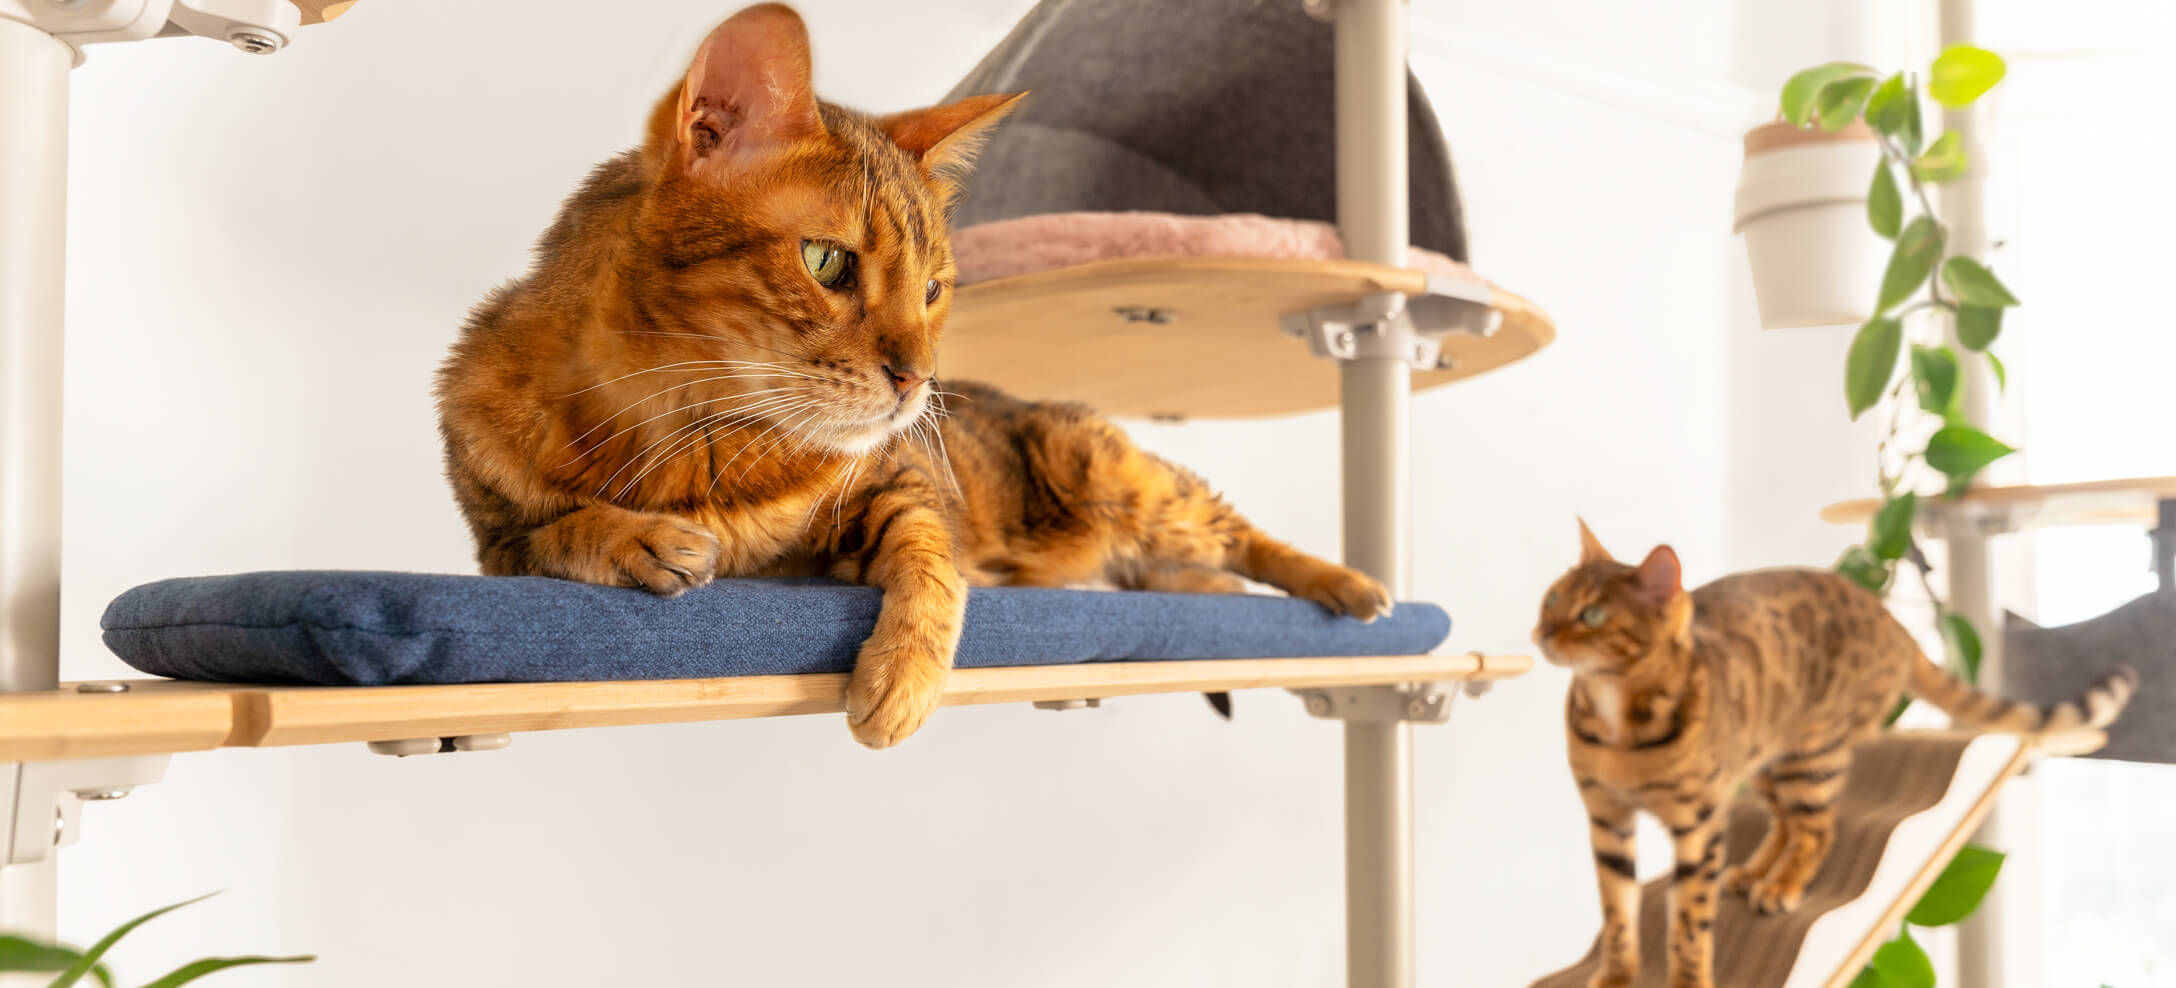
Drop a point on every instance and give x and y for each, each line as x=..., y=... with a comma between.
x=1152, y=244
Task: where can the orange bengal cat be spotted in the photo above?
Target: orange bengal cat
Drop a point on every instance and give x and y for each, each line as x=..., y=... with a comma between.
x=724, y=363
x=1767, y=677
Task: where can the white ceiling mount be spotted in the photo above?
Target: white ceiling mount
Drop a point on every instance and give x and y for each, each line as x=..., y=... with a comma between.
x=259, y=27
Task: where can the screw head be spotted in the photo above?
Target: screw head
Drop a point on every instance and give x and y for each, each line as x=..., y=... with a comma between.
x=101, y=687
x=254, y=43
x=1318, y=705
x=1346, y=341
x=101, y=795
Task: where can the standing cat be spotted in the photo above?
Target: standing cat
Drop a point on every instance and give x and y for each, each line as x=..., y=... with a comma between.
x=1766, y=677
x=724, y=362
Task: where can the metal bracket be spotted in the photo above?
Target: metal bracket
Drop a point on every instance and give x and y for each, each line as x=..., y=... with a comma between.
x=44, y=800
x=1418, y=703
x=405, y=747
x=259, y=27
x=1396, y=326
x=1089, y=703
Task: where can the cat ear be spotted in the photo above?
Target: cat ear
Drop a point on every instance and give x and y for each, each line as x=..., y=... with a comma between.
x=1590, y=548
x=944, y=139
x=1660, y=578
x=747, y=92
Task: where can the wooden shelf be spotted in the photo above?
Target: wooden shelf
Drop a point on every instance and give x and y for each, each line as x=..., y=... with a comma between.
x=1059, y=335
x=320, y=11
x=162, y=716
x=2127, y=501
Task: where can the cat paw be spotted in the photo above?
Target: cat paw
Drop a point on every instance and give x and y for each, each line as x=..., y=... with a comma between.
x=1348, y=592
x=894, y=689
x=1738, y=880
x=1773, y=898
x=668, y=556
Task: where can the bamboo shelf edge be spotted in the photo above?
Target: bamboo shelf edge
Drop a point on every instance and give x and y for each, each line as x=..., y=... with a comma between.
x=320, y=11
x=166, y=716
x=2125, y=501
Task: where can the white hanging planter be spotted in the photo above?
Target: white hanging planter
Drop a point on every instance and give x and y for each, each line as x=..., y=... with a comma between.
x=1802, y=207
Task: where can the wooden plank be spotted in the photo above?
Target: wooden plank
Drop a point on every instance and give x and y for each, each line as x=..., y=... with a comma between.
x=1058, y=335
x=2124, y=501
x=320, y=11
x=65, y=724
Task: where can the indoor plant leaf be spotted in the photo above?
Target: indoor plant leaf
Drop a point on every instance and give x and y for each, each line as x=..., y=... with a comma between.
x=1902, y=964
x=1859, y=565
x=1974, y=284
x=1964, y=646
x=1978, y=325
x=1799, y=92
x=1943, y=161
x=1959, y=889
x=1934, y=370
x=1871, y=362
x=1892, y=527
x=2002, y=376
x=1893, y=112
x=90, y=958
x=1868, y=978
x=1962, y=73
x=1840, y=102
x=18, y=954
x=1884, y=204
x=1917, y=248
x=197, y=969
x=1960, y=451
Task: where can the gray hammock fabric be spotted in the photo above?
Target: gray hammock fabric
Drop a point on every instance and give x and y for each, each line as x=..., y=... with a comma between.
x=1200, y=108
x=2049, y=665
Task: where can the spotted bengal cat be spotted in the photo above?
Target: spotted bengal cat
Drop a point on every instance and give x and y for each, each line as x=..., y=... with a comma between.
x=724, y=363
x=1766, y=677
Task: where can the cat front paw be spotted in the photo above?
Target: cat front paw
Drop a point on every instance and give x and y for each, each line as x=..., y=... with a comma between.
x=1346, y=591
x=668, y=556
x=1770, y=897
x=897, y=682
x=1610, y=979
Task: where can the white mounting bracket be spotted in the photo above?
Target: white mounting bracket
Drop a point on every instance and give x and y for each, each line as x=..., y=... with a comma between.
x=1417, y=703
x=44, y=800
x=259, y=27
x=405, y=747
x=1398, y=326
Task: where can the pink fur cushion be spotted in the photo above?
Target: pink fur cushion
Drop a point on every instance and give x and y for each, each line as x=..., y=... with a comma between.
x=989, y=251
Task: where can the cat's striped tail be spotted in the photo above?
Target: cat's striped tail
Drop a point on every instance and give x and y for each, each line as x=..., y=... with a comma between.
x=2094, y=709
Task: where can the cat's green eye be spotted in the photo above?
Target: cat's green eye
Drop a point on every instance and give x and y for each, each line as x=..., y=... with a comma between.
x=827, y=263
x=1593, y=616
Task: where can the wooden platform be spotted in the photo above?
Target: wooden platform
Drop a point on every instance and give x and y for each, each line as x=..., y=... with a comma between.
x=1063, y=334
x=2127, y=501
x=161, y=716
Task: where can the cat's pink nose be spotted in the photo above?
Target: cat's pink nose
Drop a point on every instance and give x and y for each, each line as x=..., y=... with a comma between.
x=903, y=381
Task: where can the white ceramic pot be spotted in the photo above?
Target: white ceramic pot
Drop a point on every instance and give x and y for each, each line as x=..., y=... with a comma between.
x=1802, y=207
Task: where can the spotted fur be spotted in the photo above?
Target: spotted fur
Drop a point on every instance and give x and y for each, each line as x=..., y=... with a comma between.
x=671, y=395
x=1765, y=678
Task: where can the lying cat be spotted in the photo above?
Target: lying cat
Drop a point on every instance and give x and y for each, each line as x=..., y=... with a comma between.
x=1767, y=677
x=724, y=363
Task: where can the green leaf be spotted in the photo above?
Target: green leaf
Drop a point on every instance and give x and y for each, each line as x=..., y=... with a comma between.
x=1868, y=978
x=1891, y=531
x=1903, y=965
x=1917, y=248
x=2002, y=376
x=1964, y=646
x=18, y=954
x=1859, y=565
x=1942, y=162
x=1902, y=704
x=1960, y=888
x=192, y=971
x=76, y=971
x=1871, y=362
x=1975, y=284
x=1841, y=101
x=1884, y=204
x=1934, y=370
x=1978, y=325
x=1799, y=93
x=1961, y=451
x=1962, y=73
x=1893, y=111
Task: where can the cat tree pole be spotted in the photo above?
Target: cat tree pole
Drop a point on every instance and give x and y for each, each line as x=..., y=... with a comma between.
x=39, y=44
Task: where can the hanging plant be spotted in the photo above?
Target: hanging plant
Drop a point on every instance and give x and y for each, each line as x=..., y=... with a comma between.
x=72, y=966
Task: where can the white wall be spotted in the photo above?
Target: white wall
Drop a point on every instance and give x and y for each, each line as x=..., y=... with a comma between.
x=269, y=256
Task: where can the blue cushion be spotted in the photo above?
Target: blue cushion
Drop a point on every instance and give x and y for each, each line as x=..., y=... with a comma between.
x=367, y=629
